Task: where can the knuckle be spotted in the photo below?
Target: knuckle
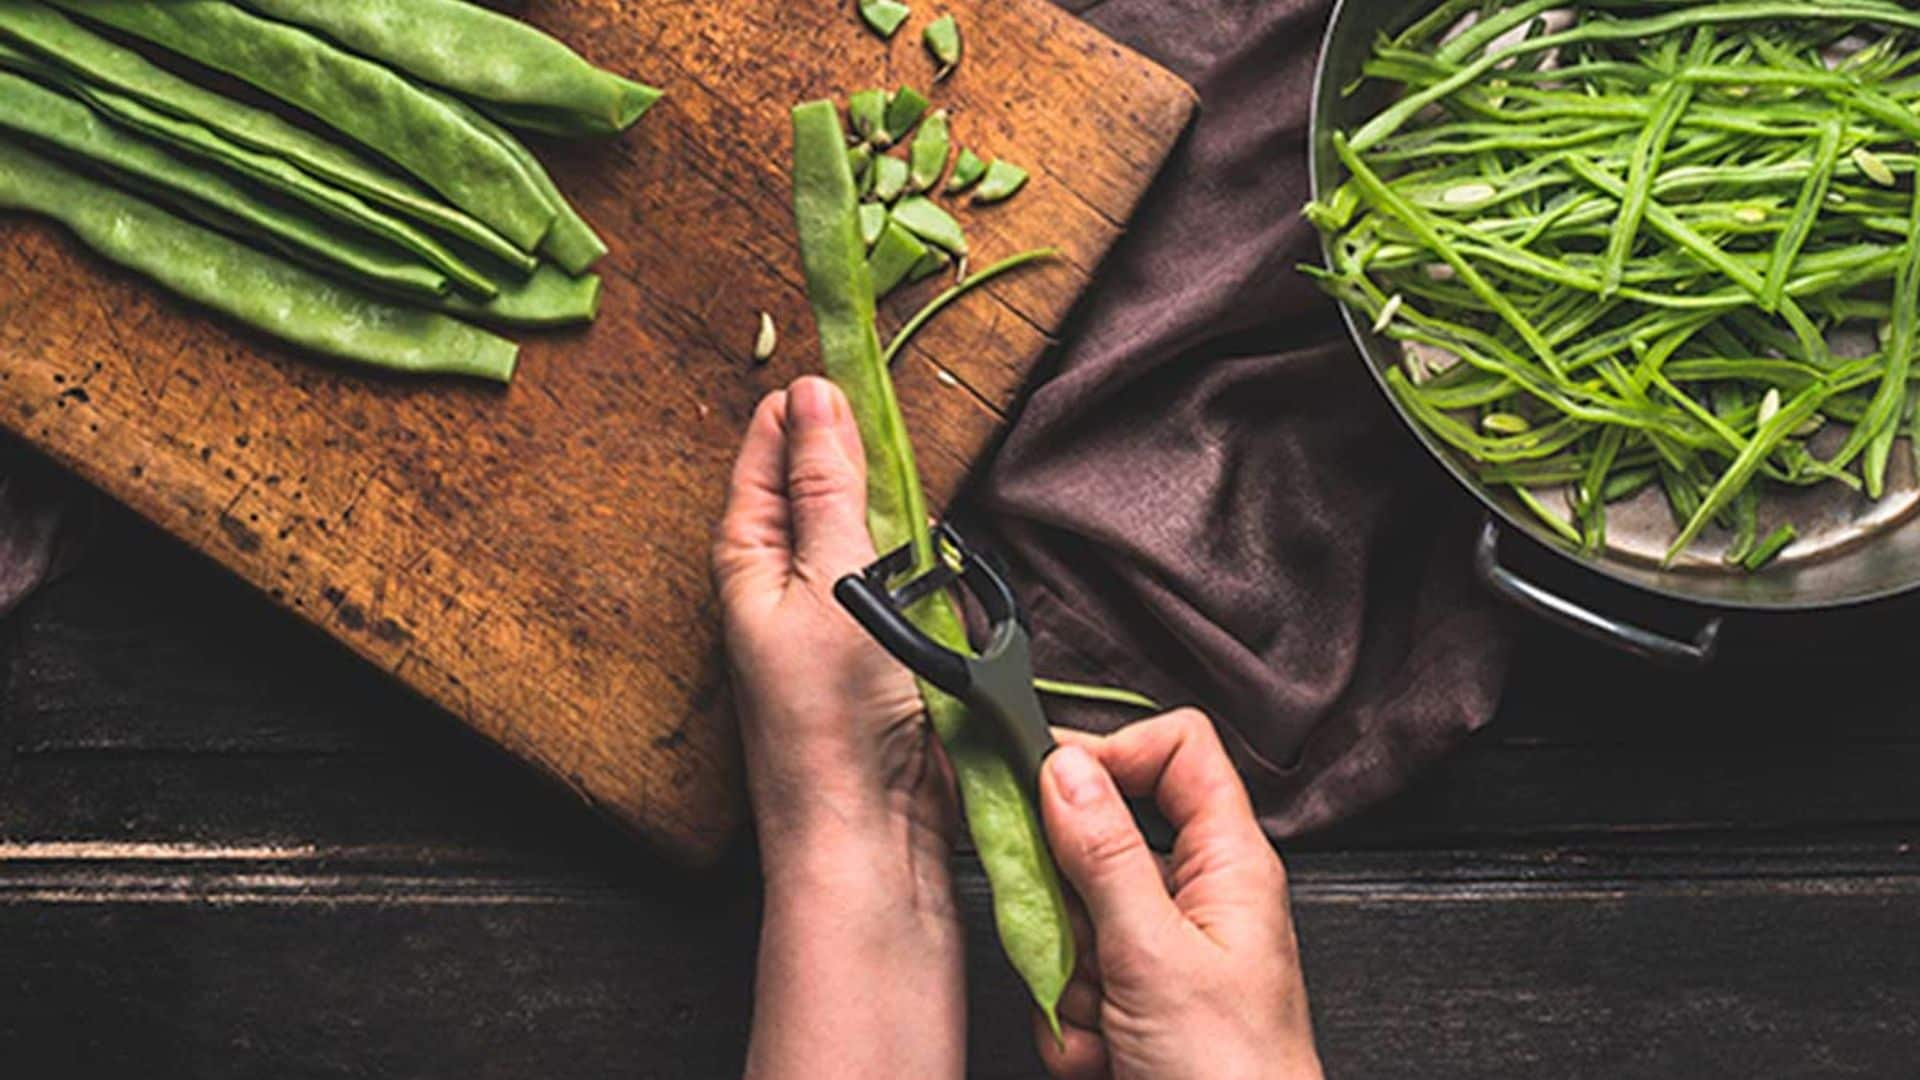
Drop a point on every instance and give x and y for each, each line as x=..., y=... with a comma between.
x=1192, y=721
x=1111, y=845
x=814, y=482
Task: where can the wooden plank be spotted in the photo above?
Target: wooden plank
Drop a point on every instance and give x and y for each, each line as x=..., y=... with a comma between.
x=236, y=963
x=533, y=559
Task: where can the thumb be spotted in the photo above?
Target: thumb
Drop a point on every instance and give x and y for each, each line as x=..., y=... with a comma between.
x=1101, y=851
x=826, y=480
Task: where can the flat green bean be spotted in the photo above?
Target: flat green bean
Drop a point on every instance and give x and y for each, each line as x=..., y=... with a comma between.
x=274, y=173
x=544, y=84
x=254, y=288
x=1029, y=903
x=548, y=297
x=88, y=56
x=62, y=122
x=356, y=96
x=571, y=242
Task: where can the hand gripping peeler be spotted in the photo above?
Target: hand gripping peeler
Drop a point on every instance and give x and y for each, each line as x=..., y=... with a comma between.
x=998, y=682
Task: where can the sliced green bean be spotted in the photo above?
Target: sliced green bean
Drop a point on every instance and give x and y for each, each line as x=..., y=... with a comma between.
x=1770, y=549
x=904, y=110
x=1629, y=29
x=1376, y=192
x=1104, y=695
x=1559, y=525
x=1740, y=473
x=442, y=42
x=968, y=168
x=867, y=114
x=884, y=17
x=1639, y=188
x=890, y=176
x=920, y=216
x=60, y=121
x=927, y=157
x=894, y=256
x=1883, y=417
x=254, y=288
x=1029, y=903
x=1806, y=212
x=1002, y=180
x=86, y=55
x=358, y=97
x=942, y=38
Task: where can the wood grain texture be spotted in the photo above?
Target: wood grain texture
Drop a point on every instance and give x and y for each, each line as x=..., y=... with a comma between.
x=254, y=856
x=534, y=559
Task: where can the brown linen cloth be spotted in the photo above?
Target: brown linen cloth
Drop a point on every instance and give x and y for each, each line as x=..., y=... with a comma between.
x=1209, y=500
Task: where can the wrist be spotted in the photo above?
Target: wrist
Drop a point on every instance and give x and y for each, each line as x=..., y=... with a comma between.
x=873, y=862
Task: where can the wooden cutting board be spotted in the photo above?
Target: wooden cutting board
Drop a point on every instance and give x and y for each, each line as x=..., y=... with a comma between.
x=535, y=558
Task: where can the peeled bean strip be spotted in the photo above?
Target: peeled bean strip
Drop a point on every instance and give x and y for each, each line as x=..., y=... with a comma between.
x=254, y=288
x=1397, y=115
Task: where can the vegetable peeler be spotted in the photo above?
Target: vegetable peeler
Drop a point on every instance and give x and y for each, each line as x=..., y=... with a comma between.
x=997, y=683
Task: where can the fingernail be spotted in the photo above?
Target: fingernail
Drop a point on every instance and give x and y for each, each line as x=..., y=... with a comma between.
x=810, y=403
x=1079, y=776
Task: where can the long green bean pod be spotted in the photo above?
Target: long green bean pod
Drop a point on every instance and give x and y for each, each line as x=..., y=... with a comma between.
x=267, y=170
x=53, y=37
x=480, y=54
x=254, y=288
x=1029, y=904
x=362, y=99
x=571, y=242
x=30, y=109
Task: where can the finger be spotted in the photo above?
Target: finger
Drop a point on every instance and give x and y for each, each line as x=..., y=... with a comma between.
x=826, y=481
x=1223, y=869
x=1080, y=1005
x=754, y=538
x=1102, y=853
x=1077, y=1054
x=1178, y=759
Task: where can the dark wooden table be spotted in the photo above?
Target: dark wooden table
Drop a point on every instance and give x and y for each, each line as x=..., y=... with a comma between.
x=229, y=850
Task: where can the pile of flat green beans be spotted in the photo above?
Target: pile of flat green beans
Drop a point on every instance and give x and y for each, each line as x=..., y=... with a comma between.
x=1629, y=246
x=404, y=207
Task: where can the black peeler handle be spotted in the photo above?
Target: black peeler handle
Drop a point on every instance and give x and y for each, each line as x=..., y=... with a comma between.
x=871, y=605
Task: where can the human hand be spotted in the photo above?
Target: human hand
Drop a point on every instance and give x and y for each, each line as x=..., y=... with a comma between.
x=838, y=751
x=1193, y=969
x=861, y=965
